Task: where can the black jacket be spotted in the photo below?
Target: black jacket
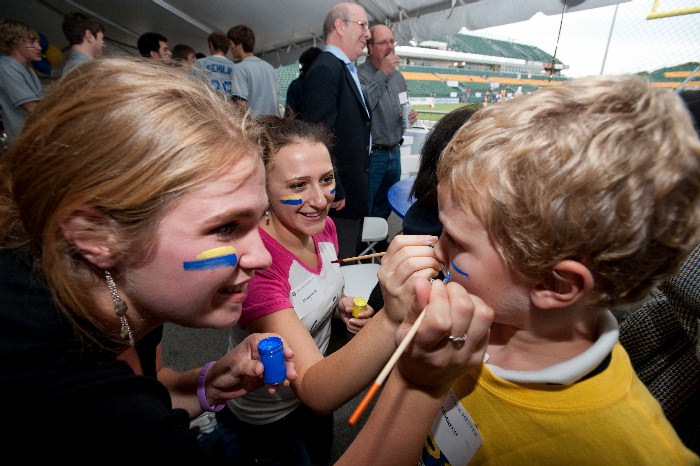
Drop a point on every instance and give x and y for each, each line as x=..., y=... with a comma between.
x=331, y=97
x=68, y=401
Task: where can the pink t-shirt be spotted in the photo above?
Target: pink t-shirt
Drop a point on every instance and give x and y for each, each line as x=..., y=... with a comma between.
x=313, y=292
x=289, y=283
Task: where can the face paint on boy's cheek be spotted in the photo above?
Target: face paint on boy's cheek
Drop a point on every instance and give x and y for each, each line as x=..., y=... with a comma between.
x=294, y=199
x=224, y=256
x=457, y=269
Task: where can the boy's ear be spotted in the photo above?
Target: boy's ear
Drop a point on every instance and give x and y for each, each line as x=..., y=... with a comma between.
x=88, y=230
x=568, y=282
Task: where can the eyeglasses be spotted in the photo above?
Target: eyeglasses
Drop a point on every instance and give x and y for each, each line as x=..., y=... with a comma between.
x=363, y=24
x=382, y=43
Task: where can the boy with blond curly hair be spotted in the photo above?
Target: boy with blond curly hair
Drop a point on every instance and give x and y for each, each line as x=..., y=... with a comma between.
x=556, y=207
x=20, y=88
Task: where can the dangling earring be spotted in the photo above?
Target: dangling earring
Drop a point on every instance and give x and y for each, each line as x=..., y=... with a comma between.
x=267, y=217
x=120, y=309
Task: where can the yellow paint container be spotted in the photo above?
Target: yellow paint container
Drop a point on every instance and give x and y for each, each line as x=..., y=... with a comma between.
x=359, y=304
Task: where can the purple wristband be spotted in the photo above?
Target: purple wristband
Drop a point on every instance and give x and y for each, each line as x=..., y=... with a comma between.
x=200, y=390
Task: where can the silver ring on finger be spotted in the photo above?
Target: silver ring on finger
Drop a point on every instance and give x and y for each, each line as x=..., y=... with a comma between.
x=458, y=339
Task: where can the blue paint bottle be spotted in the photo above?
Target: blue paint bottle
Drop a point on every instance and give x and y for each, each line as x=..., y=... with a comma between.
x=272, y=357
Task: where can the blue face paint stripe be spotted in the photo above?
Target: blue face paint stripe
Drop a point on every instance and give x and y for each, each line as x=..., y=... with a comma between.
x=457, y=269
x=291, y=201
x=229, y=260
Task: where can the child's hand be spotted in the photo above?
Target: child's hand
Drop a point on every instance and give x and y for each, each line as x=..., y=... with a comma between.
x=408, y=258
x=353, y=324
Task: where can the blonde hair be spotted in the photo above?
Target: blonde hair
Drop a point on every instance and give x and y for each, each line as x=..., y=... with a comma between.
x=601, y=170
x=14, y=33
x=128, y=138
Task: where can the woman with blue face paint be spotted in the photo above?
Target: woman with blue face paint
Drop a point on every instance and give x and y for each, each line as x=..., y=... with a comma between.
x=297, y=296
x=119, y=214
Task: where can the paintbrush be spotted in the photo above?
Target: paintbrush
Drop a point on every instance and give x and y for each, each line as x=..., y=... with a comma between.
x=390, y=364
x=387, y=369
x=358, y=258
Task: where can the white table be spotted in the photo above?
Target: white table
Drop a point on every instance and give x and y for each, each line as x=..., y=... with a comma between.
x=360, y=279
x=418, y=135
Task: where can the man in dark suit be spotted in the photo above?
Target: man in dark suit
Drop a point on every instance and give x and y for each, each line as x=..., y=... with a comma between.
x=332, y=95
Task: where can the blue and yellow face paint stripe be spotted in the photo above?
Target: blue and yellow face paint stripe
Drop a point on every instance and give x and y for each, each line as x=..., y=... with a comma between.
x=294, y=199
x=224, y=256
x=333, y=189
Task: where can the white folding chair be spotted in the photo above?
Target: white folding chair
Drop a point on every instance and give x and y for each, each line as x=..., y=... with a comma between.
x=406, y=145
x=360, y=279
x=374, y=230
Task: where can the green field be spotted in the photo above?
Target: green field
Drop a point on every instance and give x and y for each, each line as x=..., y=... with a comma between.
x=425, y=112
x=438, y=107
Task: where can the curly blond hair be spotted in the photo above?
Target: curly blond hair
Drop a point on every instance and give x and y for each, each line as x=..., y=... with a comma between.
x=601, y=170
x=14, y=33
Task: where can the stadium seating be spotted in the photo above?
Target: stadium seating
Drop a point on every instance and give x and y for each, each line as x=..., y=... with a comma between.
x=672, y=77
x=285, y=75
x=429, y=77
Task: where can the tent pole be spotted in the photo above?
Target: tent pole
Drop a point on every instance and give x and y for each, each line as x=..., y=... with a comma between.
x=607, y=45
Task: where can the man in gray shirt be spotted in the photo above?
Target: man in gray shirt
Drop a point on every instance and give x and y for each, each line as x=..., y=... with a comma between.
x=216, y=69
x=86, y=36
x=386, y=90
x=254, y=79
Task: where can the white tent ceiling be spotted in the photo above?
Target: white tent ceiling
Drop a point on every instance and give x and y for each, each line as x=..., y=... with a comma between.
x=283, y=28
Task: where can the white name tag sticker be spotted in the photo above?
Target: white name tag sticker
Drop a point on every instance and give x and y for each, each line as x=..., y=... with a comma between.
x=307, y=296
x=454, y=439
x=403, y=97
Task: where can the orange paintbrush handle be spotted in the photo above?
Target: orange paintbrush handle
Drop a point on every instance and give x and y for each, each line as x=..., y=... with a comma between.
x=363, y=404
x=387, y=369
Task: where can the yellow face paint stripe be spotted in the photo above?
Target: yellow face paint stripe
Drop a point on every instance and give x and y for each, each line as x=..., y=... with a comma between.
x=220, y=251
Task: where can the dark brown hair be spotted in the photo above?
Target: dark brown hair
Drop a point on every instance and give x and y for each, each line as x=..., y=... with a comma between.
x=244, y=35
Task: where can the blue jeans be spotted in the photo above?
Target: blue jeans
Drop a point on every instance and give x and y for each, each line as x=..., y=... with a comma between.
x=384, y=171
